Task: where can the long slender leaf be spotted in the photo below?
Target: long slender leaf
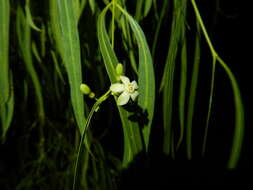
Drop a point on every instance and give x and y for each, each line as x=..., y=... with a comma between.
x=64, y=25
x=182, y=90
x=163, y=12
x=146, y=76
x=192, y=95
x=138, y=10
x=92, y=4
x=239, y=118
x=132, y=136
x=239, y=110
x=24, y=39
x=6, y=89
x=29, y=16
x=147, y=7
x=167, y=84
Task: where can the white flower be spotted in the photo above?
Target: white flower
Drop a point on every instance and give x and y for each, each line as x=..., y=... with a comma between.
x=127, y=89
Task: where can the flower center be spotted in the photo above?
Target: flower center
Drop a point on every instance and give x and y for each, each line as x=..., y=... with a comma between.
x=130, y=88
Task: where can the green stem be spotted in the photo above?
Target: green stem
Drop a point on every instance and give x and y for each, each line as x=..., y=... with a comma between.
x=239, y=110
x=214, y=54
x=209, y=107
x=93, y=109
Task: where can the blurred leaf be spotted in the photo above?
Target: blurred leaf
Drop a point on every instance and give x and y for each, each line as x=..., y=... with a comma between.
x=192, y=94
x=24, y=39
x=6, y=88
x=29, y=16
x=147, y=7
x=182, y=90
x=35, y=52
x=92, y=4
x=158, y=28
x=167, y=83
x=138, y=10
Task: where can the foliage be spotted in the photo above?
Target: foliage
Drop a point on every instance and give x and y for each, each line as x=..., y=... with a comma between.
x=49, y=48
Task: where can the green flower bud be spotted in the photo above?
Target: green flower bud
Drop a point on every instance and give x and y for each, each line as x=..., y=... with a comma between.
x=85, y=89
x=119, y=69
x=92, y=95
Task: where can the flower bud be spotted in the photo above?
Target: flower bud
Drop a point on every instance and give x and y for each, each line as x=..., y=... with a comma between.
x=85, y=89
x=119, y=69
x=92, y=95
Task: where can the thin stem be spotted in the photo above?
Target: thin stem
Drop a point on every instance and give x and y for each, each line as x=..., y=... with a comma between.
x=93, y=110
x=214, y=54
x=239, y=110
x=209, y=107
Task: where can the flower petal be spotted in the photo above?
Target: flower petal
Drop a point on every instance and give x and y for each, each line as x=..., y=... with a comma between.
x=134, y=84
x=134, y=95
x=117, y=87
x=125, y=80
x=123, y=99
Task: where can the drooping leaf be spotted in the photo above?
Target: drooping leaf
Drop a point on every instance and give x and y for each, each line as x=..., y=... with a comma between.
x=6, y=89
x=146, y=77
x=24, y=39
x=29, y=16
x=167, y=83
x=147, y=7
x=192, y=95
x=239, y=118
x=92, y=4
x=182, y=90
x=132, y=136
x=64, y=26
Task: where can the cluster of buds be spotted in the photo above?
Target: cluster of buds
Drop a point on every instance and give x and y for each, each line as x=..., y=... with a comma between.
x=85, y=89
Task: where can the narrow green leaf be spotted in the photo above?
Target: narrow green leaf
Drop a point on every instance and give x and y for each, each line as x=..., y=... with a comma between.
x=167, y=84
x=146, y=76
x=79, y=7
x=92, y=4
x=192, y=95
x=43, y=40
x=35, y=52
x=239, y=118
x=239, y=110
x=64, y=26
x=182, y=88
x=163, y=12
x=138, y=10
x=132, y=136
x=6, y=89
x=24, y=39
x=4, y=51
x=128, y=42
x=29, y=16
x=9, y=108
x=57, y=67
x=147, y=7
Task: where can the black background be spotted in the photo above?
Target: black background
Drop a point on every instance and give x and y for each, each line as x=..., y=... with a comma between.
x=229, y=29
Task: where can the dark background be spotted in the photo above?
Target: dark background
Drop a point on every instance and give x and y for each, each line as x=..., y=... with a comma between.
x=228, y=25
